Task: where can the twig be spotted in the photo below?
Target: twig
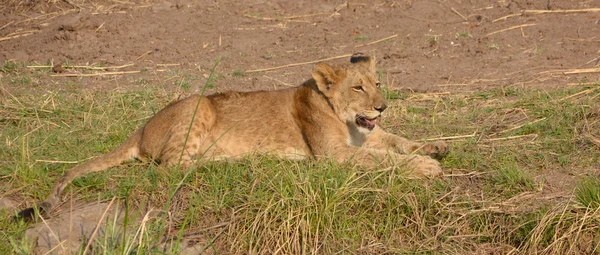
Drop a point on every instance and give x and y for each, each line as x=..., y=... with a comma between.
x=583, y=40
x=93, y=74
x=143, y=54
x=472, y=82
x=165, y=65
x=509, y=138
x=506, y=17
x=587, y=91
x=7, y=24
x=473, y=173
x=587, y=70
x=282, y=82
x=212, y=241
x=561, y=11
x=15, y=36
x=546, y=12
x=56, y=161
x=52, y=232
x=60, y=244
x=594, y=140
x=522, y=125
x=98, y=226
x=450, y=137
x=583, y=83
x=288, y=17
x=510, y=28
x=47, y=14
x=297, y=64
x=99, y=27
x=86, y=67
x=458, y=13
x=378, y=41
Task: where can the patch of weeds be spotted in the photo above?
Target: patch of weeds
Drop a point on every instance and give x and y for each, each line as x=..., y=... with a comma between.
x=12, y=237
x=141, y=81
x=238, y=73
x=510, y=91
x=390, y=94
x=10, y=67
x=24, y=80
x=255, y=15
x=539, y=50
x=511, y=180
x=462, y=34
x=433, y=40
x=492, y=46
x=379, y=74
x=526, y=224
x=587, y=192
x=270, y=54
x=361, y=38
x=212, y=80
x=388, y=40
x=416, y=109
x=185, y=82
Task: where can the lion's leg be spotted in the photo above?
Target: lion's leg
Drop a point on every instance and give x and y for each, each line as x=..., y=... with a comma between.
x=386, y=141
x=417, y=165
x=186, y=136
x=182, y=148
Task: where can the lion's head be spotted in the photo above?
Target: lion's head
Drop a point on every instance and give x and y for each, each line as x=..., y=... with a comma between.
x=353, y=91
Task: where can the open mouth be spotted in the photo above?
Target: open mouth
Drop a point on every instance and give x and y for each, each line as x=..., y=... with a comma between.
x=365, y=122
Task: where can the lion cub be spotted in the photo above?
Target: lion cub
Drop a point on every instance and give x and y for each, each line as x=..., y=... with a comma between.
x=332, y=115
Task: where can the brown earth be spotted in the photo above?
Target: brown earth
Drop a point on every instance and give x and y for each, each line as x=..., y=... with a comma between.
x=439, y=45
x=433, y=46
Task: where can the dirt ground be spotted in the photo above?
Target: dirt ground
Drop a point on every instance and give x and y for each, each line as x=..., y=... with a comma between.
x=453, y=46
x=457, y=45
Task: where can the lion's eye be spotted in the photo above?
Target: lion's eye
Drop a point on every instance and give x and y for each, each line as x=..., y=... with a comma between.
x=358, y=88
x=378, y=84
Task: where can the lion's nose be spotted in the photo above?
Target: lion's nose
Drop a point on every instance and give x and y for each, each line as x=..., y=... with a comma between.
x=381, y=108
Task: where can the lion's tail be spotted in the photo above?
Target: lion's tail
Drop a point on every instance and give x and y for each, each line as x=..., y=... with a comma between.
x=129, y=150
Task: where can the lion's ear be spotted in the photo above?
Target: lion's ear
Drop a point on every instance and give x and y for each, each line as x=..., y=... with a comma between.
x=368, y=62
x=325, y=77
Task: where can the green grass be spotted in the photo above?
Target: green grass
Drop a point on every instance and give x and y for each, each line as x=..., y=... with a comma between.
x=506, y=147
x=462, y=34
x=511, y=180
x=238, y=73
x=587, y=192
x=361, y=38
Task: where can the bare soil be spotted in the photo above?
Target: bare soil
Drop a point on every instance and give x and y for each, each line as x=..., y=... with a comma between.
x=453, y=45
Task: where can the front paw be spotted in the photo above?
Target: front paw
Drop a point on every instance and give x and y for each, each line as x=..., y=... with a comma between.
x=424, y=166
x=437, y=150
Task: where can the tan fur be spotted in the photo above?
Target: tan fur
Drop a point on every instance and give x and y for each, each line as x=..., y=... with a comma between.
x=315, y=120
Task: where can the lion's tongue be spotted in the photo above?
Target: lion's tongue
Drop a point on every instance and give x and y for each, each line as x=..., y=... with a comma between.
x=372, y=122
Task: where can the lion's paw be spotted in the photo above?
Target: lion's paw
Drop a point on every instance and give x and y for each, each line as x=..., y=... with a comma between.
x=424, y=166
x=436, y=150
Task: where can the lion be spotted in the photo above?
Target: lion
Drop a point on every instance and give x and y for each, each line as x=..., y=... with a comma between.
x=333, y=115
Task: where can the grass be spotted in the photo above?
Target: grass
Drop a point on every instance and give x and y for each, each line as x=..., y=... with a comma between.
x=501, y=193
x=361, y=38
x=587, y=192
x=238, y=73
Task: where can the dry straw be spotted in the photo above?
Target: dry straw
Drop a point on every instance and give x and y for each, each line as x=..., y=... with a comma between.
x=510, y=28
x=297, y=64
x=534, y=12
